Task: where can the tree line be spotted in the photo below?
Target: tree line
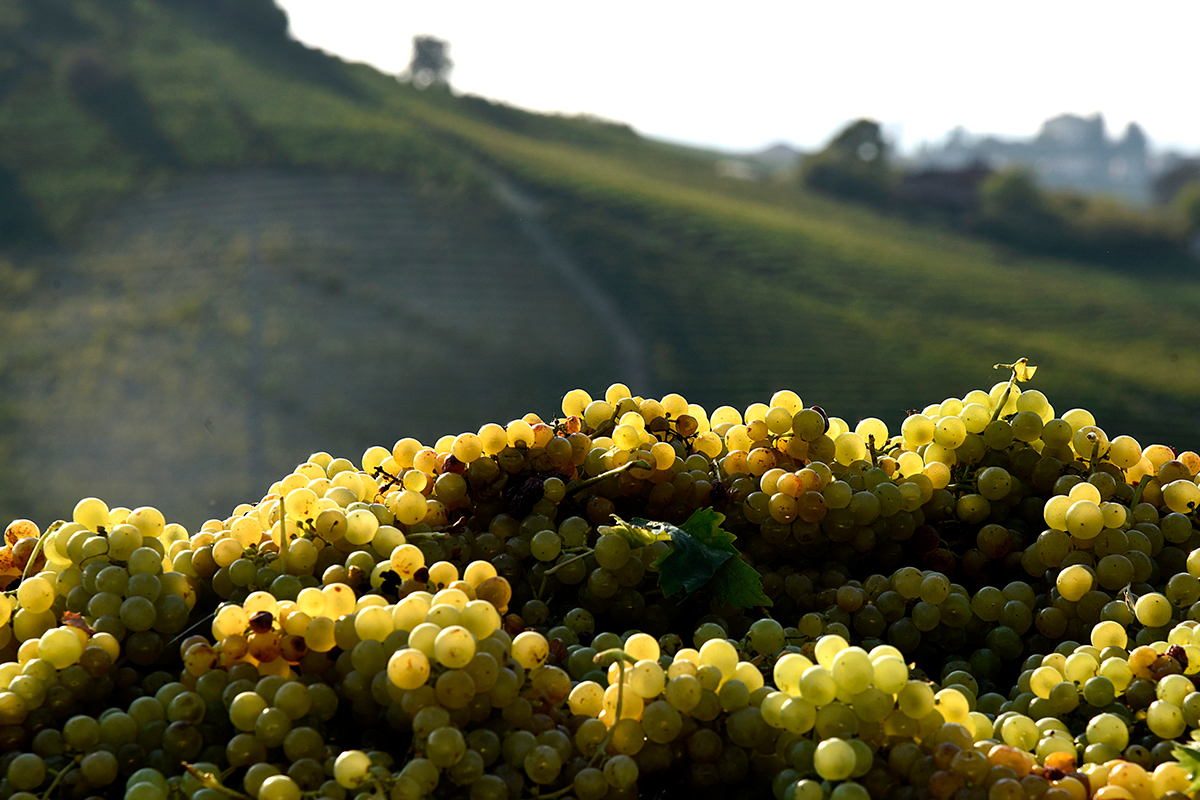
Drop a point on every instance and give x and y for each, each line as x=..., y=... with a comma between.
x=1008, y=206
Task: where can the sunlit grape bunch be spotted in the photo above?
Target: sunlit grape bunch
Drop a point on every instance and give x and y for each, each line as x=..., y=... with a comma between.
x=633, y=598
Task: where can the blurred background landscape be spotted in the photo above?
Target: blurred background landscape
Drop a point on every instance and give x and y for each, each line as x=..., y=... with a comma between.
x=222, y=249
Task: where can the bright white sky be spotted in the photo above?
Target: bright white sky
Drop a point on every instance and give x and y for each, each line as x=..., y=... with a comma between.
x=742, y=75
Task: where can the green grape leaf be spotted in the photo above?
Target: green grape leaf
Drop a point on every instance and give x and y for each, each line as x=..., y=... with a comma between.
x=705, y=525
x=690, y=565
x=1189, y=759
x=739, y=584
x=703, y=554
x=1022, y=370
x=639, y=532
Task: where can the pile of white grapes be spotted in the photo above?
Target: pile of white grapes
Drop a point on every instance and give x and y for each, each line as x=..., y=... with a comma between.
x=996, y=601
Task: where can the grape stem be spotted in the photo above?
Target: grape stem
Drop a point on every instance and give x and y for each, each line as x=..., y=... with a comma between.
x=587, y=552
x=1137, y=493
x=213, y=782
x=537, y=795
x=74, y=763
x=283, y=536
x=392, y=480
x=620, y=657
x=192, y=627
x=1004, y=397
x=615, y=471
x=37, y=548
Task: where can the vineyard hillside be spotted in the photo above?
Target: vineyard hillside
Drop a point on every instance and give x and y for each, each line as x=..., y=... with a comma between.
x=224, y=250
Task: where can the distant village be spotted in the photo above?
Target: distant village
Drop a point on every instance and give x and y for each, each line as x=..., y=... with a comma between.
x=1070, y=152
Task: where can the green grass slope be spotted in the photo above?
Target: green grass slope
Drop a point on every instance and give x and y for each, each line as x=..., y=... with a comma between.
x=747, y=287
x=226, y=250
x=285, y=270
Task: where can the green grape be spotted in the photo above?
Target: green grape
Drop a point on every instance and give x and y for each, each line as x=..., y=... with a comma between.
x=834, y=759
x=545, y=545
x=138, y=614
x=818, y=686
x=907, y=581
x=468, y=769
x=733, y=694
x=620, y=771
x=662, y=722
x=245, y=749
x=1080, y=667
x=1064, y=697
x=303, y=742
x=81, y=733
x=1165, y=719
x=1153, y=610
x=293, y=699
x=1043, y=680
x=26, y=772
x=272, y=727
x=445, y=746
x=454, y=647
x=904, y=635
x=454, y=688
x=589, y=784
x=186, y=706
x=543, y=763
x=351, y=768
x=142, y=791
x=429, y=719
x=60, y=646
x=807, y=789
x=766, y=636
x=926, y=616
x=1173, y=689
x=1108, y=729
x=279, y=787
x=836, y=720
x=852, y=670
x=492, y=787
x=408, y=668
x=244, y=710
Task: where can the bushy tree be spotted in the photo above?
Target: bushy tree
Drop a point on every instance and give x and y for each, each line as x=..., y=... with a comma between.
x=1187, y=201
x=431, y=64
x=854, y=165
x=1012, y=194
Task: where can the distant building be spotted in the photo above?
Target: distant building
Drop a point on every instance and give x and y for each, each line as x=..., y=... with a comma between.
x=1070, y=152
x=736, y=169
x=955, y=191
x=778, y=157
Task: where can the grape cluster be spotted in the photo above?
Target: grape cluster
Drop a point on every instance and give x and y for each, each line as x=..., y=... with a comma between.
x=996, y=602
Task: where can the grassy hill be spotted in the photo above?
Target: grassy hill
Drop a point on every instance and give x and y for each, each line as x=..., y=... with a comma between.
x=225, y=251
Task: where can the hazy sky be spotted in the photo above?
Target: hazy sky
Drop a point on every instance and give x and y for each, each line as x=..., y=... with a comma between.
x=741, y=75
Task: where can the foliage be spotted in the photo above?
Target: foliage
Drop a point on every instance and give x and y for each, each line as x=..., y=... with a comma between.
x=117, y=102
x=1010, y=208
x=854, y=165
x=1013, y=194
x=1187, y=202
x=1016, y=212
x=431, y=64
x=702, y=556
x=744, y=286
x=263, y=19
x=1167, y=184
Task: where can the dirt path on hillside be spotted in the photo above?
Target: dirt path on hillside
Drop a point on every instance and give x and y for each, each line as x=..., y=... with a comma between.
x=629, y=349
